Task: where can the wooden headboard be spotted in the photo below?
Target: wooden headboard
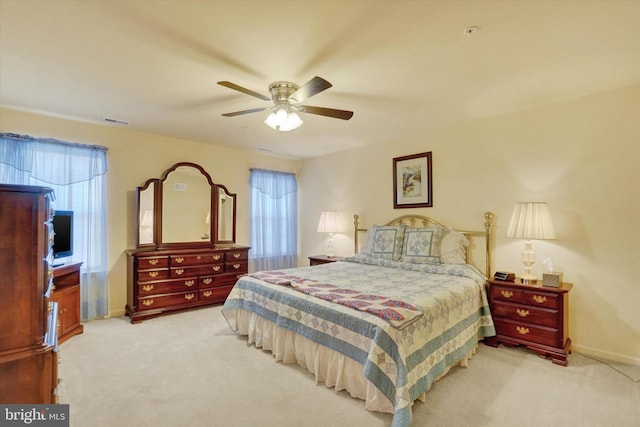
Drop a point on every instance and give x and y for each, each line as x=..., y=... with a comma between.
x=420, y=221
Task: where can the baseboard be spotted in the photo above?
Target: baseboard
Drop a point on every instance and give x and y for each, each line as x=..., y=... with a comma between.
x=116, y=313
x=590, y=351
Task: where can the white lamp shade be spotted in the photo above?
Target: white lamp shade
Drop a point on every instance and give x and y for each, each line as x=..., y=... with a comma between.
x=329, y=222
x=531, y=220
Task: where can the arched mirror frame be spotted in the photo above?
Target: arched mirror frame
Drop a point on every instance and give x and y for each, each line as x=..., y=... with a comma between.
x=158, y=209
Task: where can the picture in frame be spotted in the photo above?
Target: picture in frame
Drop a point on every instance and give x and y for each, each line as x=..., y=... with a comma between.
x=412, y=184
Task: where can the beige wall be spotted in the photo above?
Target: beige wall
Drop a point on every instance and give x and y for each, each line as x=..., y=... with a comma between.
x=580, y=156
x=134, y=157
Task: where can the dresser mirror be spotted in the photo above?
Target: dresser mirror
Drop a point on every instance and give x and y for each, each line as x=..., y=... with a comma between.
x=226, y=215
x=146, y=213
x=184, y=207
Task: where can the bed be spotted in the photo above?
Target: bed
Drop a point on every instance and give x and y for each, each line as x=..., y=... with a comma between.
x=383, y=324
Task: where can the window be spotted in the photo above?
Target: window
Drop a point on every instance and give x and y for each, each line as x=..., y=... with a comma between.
x=273, y=220
x=76, y=173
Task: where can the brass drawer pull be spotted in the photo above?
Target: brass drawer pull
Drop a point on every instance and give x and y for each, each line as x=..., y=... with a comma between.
x=189, y=283
x=153, y=261
x=522, y=330
x=179, y=260
x=189, y=297
x=216, y=268
x=216, y=257
x=147, y=288
x=522, y=313
x=237, y=255
x=179, y=271
x=153, y=274
x=236, y=266
x=199, y=257
x=207, y=281
x=207, y=293
x=147, y=302
x=539, y=298
x=506, y=294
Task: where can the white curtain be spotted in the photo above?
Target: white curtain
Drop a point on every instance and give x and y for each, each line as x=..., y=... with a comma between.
x=274, y=220
x=77, y=174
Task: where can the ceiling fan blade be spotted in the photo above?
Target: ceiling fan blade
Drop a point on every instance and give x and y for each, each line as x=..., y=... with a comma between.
x=239, y=113
x=310, y=88
x=244, y=90
x=329, y=112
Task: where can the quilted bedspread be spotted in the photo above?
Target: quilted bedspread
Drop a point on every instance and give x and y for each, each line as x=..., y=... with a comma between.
x=401, y=362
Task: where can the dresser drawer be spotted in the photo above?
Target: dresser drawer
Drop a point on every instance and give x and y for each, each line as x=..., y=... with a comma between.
x=525, y=313
x=150, y=275
x=167, y=286
x=195, y=271
x=236, y=255
x=219, y=280
x=145, y=263
x=236, y=266
x=197, y=259
x=541, y=299
x=526, y=331
x=150, y=303
x=220, y=293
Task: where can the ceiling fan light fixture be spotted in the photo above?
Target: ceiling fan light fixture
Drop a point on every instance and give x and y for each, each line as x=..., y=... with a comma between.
x=283, y=120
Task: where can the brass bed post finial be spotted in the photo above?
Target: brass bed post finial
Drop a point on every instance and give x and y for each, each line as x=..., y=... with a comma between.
x=355, y=233
x=488, y=226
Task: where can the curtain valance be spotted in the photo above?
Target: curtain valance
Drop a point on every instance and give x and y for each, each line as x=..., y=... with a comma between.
x=275, y=184
x=46, y=159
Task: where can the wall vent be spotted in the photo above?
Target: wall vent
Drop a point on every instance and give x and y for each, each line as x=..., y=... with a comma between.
x=115, y=121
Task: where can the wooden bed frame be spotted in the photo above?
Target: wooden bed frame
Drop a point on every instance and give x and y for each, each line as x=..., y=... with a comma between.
x=419, y=221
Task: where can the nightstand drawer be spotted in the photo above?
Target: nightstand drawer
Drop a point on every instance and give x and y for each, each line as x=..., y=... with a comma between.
x=500, y=293
x=541, y=299
x=529, y=332
x=523, y=313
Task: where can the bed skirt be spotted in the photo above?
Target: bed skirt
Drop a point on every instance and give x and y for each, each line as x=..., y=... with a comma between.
x=328, y=366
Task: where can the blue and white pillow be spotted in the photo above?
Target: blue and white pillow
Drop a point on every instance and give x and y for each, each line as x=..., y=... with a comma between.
x=384, y=241
x=422, y=245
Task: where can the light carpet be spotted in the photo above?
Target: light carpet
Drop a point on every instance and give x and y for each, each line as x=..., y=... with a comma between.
x=190, y=369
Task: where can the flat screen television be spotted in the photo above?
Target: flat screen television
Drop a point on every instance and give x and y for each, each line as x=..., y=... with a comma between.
x=63, y=234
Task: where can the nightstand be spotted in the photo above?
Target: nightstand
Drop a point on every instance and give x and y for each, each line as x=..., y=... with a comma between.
x=322, y=259
x=531, y=315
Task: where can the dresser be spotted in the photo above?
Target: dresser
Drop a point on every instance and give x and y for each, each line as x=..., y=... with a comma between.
x=28, y=319
x=66, y=292
x=161, y=281
x=532, y=316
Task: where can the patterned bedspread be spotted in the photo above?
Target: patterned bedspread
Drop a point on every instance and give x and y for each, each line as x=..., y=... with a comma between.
x=398, y=313
x=401, y=362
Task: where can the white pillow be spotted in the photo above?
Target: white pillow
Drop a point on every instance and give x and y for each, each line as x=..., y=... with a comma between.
x=453, y=247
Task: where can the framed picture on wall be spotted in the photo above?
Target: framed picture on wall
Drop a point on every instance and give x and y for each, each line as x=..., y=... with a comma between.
x=412, y=181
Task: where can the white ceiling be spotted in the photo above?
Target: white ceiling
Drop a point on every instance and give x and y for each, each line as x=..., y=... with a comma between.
x=403, y=67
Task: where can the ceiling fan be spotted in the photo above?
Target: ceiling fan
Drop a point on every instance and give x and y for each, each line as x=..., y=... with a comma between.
x=287, y=99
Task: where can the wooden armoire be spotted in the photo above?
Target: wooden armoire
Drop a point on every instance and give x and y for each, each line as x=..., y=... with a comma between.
x=28, y=319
